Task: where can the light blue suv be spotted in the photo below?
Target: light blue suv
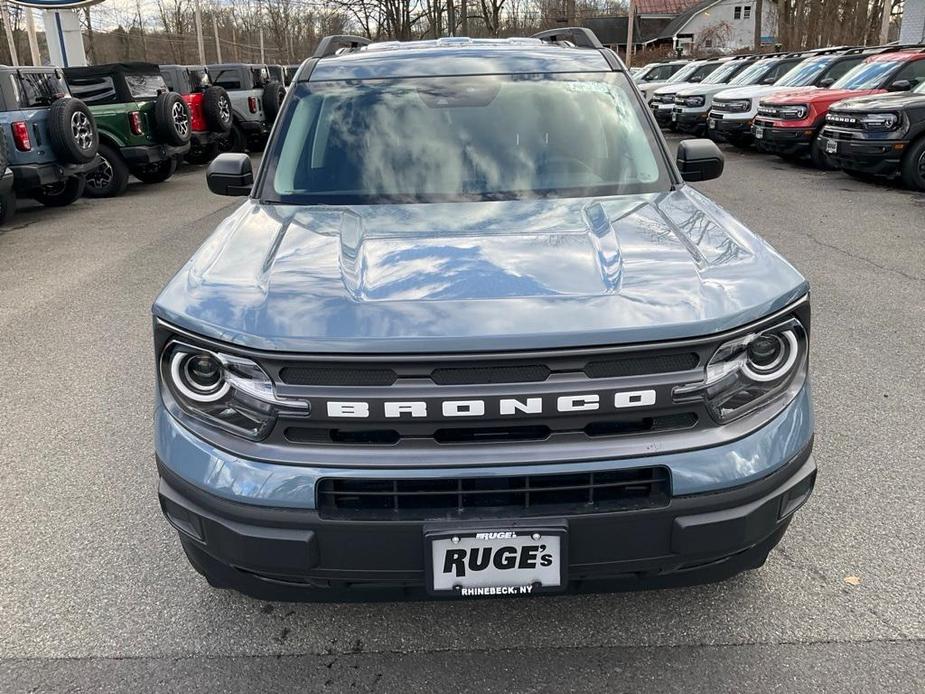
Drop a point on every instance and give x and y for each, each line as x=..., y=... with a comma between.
x=472, y=333
x=50, y=138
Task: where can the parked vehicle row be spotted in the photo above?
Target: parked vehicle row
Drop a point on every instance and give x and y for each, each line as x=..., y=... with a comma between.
x=86, y=130
x=855, y=108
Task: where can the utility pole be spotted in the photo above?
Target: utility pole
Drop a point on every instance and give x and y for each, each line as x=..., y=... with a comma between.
x=8, y=28
x=759, y=11
x=141, y=30
x=630, y=21
x=218, y=46
x=885, y=22
x=33, y=38
x=451, y=18
x=464, y=9
x=570, y=12
x=199, y=44
x=263, y=55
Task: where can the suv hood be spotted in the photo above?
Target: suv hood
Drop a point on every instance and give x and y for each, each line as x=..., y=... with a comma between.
x=703, y=89
x=477, y=276
x=674, y=88
x=817, y=96
x=881, y=102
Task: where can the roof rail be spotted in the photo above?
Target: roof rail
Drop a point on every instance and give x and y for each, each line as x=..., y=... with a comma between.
x=330, y=45
x=582, y=37
x=894, y=48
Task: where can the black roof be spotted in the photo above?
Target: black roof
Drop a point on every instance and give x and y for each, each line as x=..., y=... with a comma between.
x=133, y=68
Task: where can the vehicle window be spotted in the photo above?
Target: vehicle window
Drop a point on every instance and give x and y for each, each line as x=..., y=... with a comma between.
x=39, y=89
x=913, y=71
x=804, y=73
x=169, y=80
x=290, y=73
x=145, y=86
x=229, y=79
x=779, y=70
x=751, y=74
x=842, y=67
x=276, y=73
x=260, y=75
x=199, y=78
x=867, y=75
x=94, y=90
x=725, y=72
x=921, y=88
x=692, y=70
x=464, y=138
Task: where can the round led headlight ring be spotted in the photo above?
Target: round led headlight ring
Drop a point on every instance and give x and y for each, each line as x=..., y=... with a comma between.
x=198, y=377
x=771, y=356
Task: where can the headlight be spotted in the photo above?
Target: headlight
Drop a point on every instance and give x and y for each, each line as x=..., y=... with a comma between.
x=690, y=101
x=879, y=121
x=748, y=372
x=738, y=106
x=792, y=112
x=223, y=390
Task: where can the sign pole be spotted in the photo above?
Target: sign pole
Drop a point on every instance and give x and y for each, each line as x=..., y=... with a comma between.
x=199, y=44
x=33, y=37
x=8, y=28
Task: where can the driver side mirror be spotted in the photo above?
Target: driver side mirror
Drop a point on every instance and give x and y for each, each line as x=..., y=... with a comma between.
x=900, y=86
x=696, y=78
x=827, y=82
x=700, y=160
x=769, y=80
x=230, y=174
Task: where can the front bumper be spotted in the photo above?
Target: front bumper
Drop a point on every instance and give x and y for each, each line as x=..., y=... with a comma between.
x=689, y=121
x=879, y=157
x=787, y=141
x=254, y=526
x=723, y=126
x=201, y=139
x=280, y=553
x=662, y=113
x=152, y=154
x=28, y=177
x=254, y=127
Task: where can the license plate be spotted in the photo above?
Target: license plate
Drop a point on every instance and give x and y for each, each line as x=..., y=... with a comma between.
x=674, y=116
x=831, y=146
x=759, y=133
x=711, y=123
x=487, y=562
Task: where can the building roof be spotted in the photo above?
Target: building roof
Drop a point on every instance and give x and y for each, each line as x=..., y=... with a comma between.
x=679, y=22
x=667, y=7
x=612, y=30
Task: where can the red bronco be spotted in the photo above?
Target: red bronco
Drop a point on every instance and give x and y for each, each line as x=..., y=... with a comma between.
x=209, y=107
x=788, y=124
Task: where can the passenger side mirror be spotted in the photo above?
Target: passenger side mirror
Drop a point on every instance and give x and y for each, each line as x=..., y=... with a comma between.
x=700, y=160
x=696, y=78
x=900, y=86
x=230, y=174
x=769, y=80
x=827, y=82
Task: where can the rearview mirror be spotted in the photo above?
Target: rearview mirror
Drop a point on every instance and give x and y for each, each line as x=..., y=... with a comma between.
x=700, y=160
x=827, y=82
x=900, y=86
x=230, y=174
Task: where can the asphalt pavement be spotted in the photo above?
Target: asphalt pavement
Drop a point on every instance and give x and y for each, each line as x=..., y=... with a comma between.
x=96, y=595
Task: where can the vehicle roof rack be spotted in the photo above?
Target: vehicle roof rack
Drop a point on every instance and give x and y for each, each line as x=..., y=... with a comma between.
x=330, y=45
x=896, y=47
x=580, y=37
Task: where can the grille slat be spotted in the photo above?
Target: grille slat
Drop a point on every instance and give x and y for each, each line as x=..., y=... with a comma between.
x=493, y=497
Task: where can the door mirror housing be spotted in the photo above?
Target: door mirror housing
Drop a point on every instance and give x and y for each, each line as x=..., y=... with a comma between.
x=700, y=160
x=230, y=174
x=900, y=86
x=827, y=82
x=696, y=79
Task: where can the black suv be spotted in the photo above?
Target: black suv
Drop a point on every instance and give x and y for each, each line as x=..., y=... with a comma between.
x=880, y=134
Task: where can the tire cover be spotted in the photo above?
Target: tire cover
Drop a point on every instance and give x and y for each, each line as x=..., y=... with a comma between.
x=172, y=119
x=72, y=131
x=216, y=107
x=273, y=93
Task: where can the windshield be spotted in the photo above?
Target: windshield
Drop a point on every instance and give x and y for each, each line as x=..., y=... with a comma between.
x=722, y=74
x=867, y=75
x=805, y=73
x=920, y=89
x=753, y=73
x=490, y=137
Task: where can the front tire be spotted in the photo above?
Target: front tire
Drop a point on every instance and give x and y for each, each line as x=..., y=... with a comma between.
x=61, y=194
x=913, y=166
x=110, y=178
x=156, y=173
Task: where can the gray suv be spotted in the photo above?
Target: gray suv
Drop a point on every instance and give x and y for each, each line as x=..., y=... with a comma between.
x=472, y=333
x=255, y=100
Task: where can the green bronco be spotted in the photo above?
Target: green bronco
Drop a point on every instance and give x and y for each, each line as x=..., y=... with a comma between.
x=144, y=127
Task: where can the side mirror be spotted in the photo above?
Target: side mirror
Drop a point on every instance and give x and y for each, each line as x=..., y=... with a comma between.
x=769, y=80
x=900, y=86
x=827, y=82
x=230, y=174
x=696, y=78
x=700, y=160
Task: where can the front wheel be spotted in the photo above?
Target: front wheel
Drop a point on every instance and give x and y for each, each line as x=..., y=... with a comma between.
x=913, y=166
x=156, y=173
x=110, y=178
x=61, y=194
x=233, y=141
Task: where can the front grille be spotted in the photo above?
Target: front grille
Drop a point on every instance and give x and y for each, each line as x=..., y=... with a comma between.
x=617, y=426
x=474, y=498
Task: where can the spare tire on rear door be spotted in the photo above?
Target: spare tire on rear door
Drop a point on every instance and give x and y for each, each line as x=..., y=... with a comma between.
x=72, y=131
x=273, y=93
x=172, y=119
x=216, y=106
